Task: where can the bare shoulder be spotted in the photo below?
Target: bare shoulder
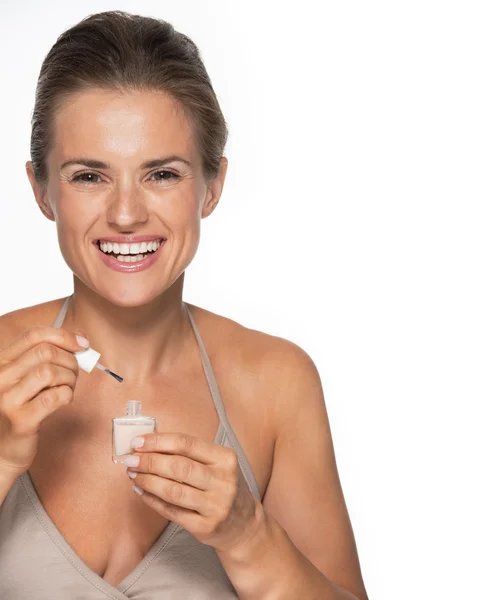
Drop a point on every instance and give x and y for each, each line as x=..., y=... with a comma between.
x=13, y=323
x=262, y=367
x=265, y=358
x=256, y=344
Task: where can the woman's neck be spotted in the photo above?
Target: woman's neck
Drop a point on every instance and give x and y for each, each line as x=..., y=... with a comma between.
x=138, y=342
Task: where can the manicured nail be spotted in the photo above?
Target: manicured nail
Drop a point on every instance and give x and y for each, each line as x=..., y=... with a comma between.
x=131, y=461
x=137, y=489
x=137, y=442
x=132, y=474
x=83, y=341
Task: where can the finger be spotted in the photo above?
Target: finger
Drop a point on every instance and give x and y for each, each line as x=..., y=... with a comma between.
x=184, y=444
x=36, y=335
x=34, y=360
x=184, y=517
x=173, y=492
x=81, y=332
x=175, y=467
x=28, y=390
x=32, y=414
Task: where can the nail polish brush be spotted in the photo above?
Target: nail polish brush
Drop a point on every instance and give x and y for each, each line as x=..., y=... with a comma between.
x=87, y=360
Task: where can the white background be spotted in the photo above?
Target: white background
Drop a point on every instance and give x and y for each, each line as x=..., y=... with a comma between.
x=360, y=219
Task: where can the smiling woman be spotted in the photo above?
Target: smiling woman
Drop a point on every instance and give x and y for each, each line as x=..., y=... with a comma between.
x=127, y=158
x=104, y=167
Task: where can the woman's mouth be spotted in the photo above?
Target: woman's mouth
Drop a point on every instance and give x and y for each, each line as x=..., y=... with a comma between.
x=129, y=257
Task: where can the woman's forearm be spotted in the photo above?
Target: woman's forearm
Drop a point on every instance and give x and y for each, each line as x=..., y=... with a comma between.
x=270, y=567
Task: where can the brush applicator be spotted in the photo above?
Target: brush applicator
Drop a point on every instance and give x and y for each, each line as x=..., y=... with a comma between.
x=87, y=360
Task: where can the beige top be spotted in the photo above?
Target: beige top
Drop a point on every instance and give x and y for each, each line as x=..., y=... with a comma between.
x=36, y=562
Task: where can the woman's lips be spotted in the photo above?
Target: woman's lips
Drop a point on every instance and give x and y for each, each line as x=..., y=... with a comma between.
x=124, y=267
x=130, y=238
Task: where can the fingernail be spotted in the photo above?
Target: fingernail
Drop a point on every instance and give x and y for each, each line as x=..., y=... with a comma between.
x=83, y=341
x=138, y=490
x=132, y=474
x=137, y=442
x=131, y=461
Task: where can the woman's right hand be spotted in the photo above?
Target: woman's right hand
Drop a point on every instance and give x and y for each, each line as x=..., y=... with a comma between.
x=38, y=374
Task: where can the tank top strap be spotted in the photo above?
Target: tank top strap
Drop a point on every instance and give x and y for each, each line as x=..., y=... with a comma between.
x=218, y=403
x=209, y=373
x=62, y=312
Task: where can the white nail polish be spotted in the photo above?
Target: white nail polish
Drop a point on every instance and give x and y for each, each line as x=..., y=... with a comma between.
x=124, y=429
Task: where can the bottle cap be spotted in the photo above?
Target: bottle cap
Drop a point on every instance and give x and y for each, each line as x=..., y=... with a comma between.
x=133, y=408
x=87, y=359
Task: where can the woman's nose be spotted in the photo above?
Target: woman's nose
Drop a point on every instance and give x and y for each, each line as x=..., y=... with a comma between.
x=127, y=207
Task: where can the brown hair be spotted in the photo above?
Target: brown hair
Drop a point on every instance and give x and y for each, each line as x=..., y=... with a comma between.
x=116, y=50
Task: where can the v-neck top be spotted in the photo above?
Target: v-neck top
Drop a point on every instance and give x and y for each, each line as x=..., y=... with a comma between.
x=37, y=563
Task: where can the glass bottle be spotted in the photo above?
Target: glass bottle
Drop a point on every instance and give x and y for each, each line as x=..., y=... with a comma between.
x=124, y=429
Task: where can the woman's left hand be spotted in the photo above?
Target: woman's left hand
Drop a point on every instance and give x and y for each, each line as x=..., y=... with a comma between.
x=198, y=485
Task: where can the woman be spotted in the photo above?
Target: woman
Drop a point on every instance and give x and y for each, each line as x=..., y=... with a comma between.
x=240, y=499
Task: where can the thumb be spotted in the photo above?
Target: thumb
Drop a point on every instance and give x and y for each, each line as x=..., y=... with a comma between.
x=82, y=333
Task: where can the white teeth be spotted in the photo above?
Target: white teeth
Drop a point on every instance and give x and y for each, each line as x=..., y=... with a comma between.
x=129, y=258
x=127, y=249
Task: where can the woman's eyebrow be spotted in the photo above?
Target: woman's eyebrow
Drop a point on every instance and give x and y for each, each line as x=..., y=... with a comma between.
x=149, y=164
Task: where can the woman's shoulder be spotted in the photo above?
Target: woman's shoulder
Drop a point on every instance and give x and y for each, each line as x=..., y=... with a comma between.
x=14, y=322
x=267, y=378
x=263, y=358
x=254, y=343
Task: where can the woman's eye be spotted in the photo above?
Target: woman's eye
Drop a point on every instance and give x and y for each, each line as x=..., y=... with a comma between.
x=168, y=175
x=85, y=177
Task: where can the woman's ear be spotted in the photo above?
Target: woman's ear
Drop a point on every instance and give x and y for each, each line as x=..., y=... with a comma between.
x=215, y=189
x=40, y=193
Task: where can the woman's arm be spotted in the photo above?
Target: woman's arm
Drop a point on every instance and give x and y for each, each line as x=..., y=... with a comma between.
x=304, y=545
x=270, y=567
x=7, y=478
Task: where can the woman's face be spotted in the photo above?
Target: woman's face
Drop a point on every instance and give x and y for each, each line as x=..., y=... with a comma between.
x=119, y=194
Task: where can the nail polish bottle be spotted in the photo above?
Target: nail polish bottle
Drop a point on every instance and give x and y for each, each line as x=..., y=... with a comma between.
x=125, y=428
